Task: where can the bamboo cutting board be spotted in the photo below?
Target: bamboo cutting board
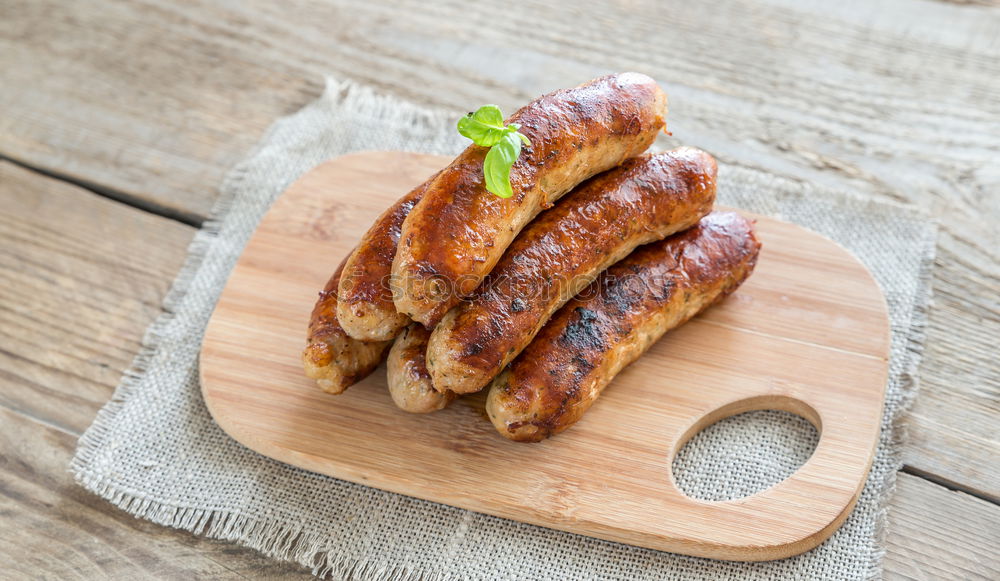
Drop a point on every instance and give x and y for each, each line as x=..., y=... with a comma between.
x=808, y=333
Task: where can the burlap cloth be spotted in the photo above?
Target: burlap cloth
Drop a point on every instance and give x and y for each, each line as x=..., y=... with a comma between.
x=154, y=451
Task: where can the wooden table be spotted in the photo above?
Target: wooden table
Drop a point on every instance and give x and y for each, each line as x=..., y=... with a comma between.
x=118, y=120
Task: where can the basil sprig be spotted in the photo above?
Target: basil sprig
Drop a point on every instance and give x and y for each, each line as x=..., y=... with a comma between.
x=485, y=128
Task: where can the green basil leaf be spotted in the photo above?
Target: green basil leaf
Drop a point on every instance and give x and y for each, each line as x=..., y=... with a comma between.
x=489, y=115
x=484, y=127
x=496, y=166
x=479, y=133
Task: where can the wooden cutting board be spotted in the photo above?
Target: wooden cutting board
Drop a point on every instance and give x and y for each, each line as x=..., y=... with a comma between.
x=808, y=333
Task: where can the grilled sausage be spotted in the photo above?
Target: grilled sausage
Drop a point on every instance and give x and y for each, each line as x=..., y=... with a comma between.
x=645, y=199
x=409, y=381
x=331, y=356
x=456, y=234
x=614, y=321
x=365, y=309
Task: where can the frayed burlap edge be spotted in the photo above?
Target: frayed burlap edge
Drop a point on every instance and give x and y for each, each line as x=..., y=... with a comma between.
x=909, y=387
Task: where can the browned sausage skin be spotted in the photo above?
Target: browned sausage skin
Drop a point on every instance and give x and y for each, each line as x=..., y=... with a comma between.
x=365, y=308
x=409, y=381
x=332, y=357
x=615, y=320
x=645, y=199
x=456, y=234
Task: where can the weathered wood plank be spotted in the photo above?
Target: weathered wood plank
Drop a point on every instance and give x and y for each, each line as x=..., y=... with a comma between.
x=953, y=425
x=53, y=529
x=82, y=277
x=935, y=533
x=135, y=98
x=880, y=97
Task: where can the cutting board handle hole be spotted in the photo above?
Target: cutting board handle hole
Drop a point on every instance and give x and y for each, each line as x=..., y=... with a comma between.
x=744, y=448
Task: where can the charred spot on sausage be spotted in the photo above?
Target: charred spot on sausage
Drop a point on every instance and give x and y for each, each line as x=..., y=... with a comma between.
x=584, y=332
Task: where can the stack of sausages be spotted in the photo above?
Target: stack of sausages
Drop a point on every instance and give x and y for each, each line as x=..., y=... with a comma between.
x=543, y=297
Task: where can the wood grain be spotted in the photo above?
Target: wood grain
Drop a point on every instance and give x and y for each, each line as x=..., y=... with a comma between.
x=53, y=529
x=73, y=310
x=808, y=333
x=936, y=533
x=82, y=277
x=150, y=101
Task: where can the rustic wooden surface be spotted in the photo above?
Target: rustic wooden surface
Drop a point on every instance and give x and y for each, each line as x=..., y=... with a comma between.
x=766, y=334
x=144, y=104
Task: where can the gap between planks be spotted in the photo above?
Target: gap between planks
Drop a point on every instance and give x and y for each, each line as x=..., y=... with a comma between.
x=147, y=205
